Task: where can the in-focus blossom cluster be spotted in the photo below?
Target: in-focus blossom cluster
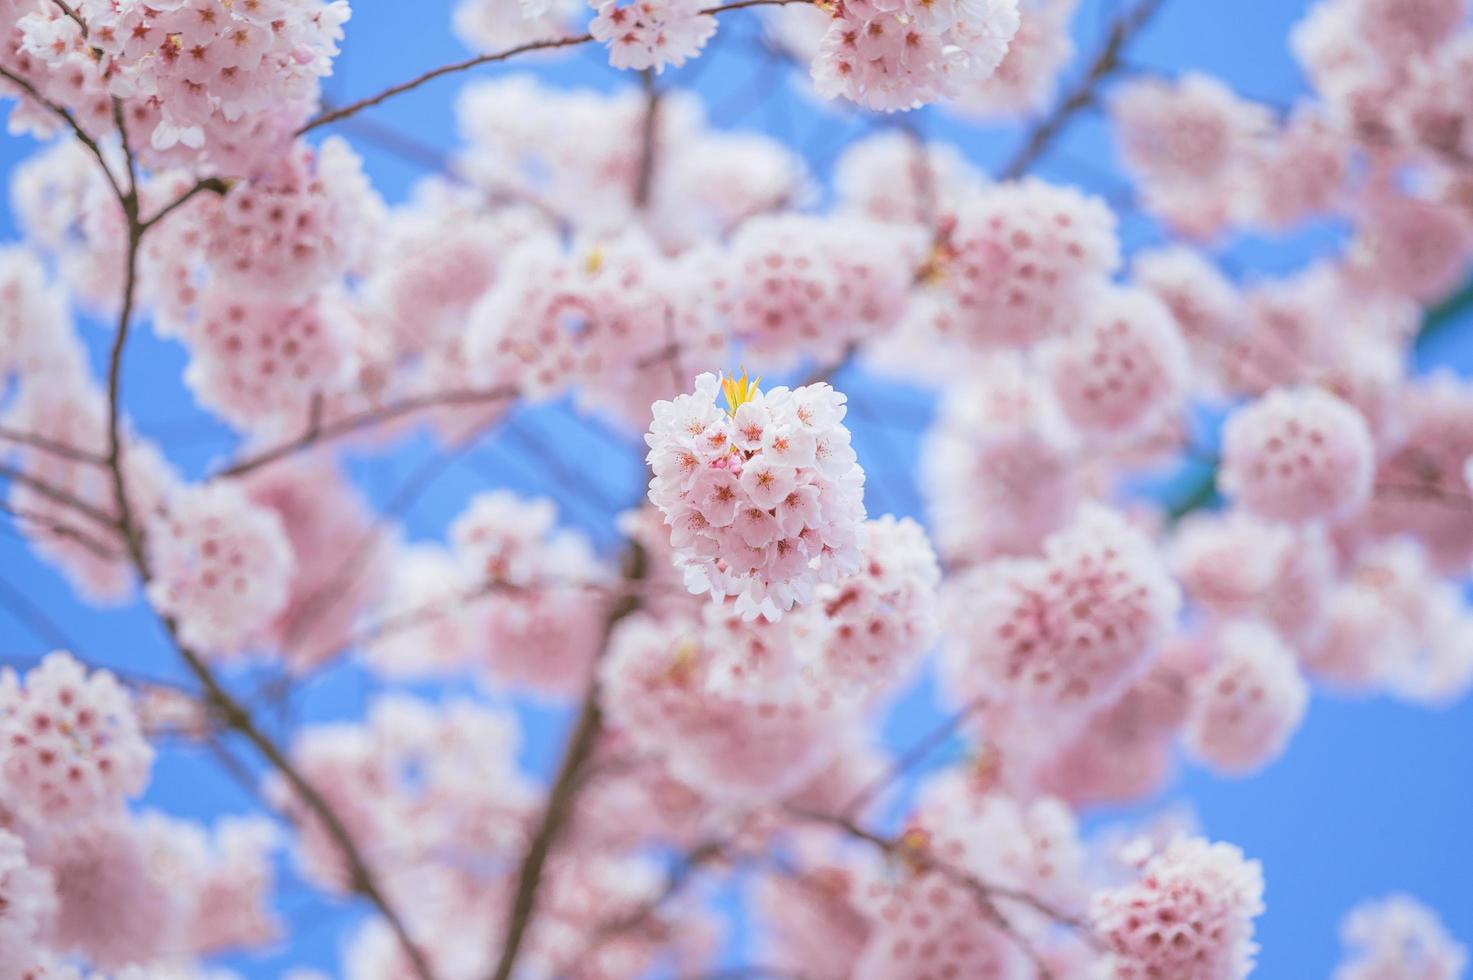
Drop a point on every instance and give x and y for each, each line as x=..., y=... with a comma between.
x=765, y=500
x=202, y=83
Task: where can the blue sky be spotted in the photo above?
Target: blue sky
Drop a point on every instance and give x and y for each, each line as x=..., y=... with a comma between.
x=1371, y=796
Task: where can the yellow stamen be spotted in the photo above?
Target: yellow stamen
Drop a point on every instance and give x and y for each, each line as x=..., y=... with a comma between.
x=594, y=262
x=739, y=391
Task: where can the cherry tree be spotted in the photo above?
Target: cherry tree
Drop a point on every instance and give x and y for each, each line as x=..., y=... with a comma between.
x=701, y=300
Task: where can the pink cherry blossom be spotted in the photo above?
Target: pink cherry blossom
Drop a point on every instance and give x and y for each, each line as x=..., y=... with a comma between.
x=651, y=33
x=1190, y=914
x=223, y=566
x=72, y=743
x=1298, y=456
x=744, y=552
x=1398, y=936
x=1248, y=704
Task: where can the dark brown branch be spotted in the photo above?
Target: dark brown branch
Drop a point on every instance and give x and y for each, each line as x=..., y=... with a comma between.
x=485, y=59
x=58, y=495
x=71, y=12
x=1084, y=92
x=365, y=420
x=71, y=121
x=52, y=446
x=213, y=185
x=217, y=698
x=131, y=538
x=565, y=784
x=48, y=525
x=644, y=180
x=238, y=719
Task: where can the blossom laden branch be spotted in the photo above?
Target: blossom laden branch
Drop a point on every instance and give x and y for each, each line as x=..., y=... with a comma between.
x=327, y=118
x=920, y=859
x=70, y=120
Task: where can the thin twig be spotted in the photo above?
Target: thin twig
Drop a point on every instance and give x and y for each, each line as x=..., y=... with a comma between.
x=71, y=121
x=910, y=758
x=52, y=446
x=364, y=420
x=49, y=525
x=58, y=495
x=675, y=882
x=71, y=12
x=213, y=185
x=921, y=860
x=1451, y=499
x=358, y=558
x=1105, y=63
x=486, y=59
x=33, y=617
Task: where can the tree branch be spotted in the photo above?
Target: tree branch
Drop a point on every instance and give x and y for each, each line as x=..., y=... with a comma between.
x=364, y=420
x=985, y=893
x=910, y=758
x=214, y=185
x=649, y=130
x=52, y=446
x=1105, y=63
x=566, y=783
x=71, y=121
x=236, y=717
x=354, y=108
x=58, y=495
x=48, y=525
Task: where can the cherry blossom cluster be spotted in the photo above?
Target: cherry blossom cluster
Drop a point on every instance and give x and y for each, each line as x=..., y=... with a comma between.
x=1190, y=914
x=84, y=880
x=764, y=500
x=651, y=33
x=888, y=55
x=1398, y=935
x=515, y=596
x=1387, y=82
x=201, y=83
x=222, y=566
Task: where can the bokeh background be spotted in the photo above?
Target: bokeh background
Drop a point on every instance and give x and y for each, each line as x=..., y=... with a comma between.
x=1371, y=797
